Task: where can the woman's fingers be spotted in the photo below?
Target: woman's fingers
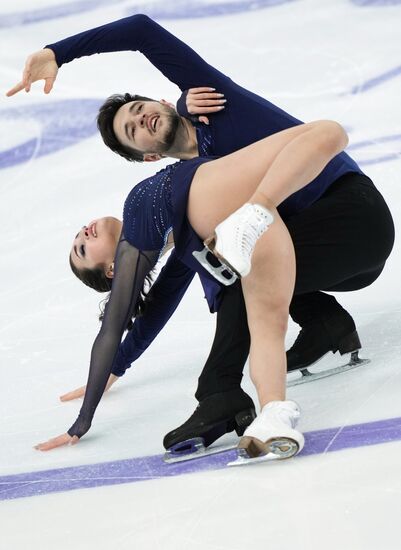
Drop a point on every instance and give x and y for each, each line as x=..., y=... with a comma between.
x=201, y=89
x=112, y=378
x=64, y=439
x=204, y=120
x=214, y=96
x=195, y=110
x=204, y=100
x=75, y=394
x=80, y=392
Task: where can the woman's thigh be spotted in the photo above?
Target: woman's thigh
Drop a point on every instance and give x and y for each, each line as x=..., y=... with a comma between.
x=345, y=234
x=223, y=185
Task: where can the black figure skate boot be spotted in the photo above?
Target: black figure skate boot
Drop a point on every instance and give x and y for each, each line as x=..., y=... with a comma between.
x=215, y=416
x=334, y=333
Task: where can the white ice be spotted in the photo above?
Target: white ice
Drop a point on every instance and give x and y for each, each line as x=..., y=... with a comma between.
x=307, y=56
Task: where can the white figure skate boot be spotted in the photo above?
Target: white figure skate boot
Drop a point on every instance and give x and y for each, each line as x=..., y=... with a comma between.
x=273, y=431
x=233, y=242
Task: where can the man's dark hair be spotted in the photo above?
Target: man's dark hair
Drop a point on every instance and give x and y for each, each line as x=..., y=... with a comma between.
x=105, y=119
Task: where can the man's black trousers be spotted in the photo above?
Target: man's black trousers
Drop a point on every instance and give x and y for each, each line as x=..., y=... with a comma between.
x=341, y=243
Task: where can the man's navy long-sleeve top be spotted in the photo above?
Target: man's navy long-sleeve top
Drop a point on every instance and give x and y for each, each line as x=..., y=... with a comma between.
x=246, y=119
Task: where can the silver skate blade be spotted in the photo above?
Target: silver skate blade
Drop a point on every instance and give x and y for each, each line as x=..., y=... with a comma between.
x=192, y=449
x=243, y=458
x=216, y=271
x=279, y=450
x=308, y=376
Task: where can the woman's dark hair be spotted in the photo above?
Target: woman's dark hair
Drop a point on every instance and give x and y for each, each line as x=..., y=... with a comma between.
x=105, y=119
x=93, y=278
x=97, y=280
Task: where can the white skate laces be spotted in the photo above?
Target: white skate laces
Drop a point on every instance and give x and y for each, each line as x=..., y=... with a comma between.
x=287, y=411
x=237, y=235
x=227, y=253
x=273, y=431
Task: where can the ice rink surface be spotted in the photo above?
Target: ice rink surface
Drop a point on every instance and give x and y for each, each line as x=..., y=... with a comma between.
x=335, y=59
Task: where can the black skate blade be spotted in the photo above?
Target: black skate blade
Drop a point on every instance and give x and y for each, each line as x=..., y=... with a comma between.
x=216, y=267
x=307, y=376
x=192, y=449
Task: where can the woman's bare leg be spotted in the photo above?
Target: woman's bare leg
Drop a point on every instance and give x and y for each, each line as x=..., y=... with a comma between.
x=268, y=291
x=265, y=173
x=300, y=162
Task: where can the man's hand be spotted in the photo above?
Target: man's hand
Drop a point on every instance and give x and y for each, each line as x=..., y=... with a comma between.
x=80, y=392
x=201, y=101
x=38, y=66
x=64, y=439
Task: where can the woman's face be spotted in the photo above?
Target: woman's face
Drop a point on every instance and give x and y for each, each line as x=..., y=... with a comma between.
x=96, y=243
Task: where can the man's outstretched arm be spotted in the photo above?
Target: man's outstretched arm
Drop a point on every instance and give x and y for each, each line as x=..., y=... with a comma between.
x=177, y=61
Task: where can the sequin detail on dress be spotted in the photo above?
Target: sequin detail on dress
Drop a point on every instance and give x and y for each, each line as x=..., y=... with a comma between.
x=204, y=138
x=148, y=211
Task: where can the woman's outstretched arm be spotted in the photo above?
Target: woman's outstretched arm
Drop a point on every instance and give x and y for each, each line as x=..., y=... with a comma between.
x=80, y=392
x=164, y=297
x=131, y=267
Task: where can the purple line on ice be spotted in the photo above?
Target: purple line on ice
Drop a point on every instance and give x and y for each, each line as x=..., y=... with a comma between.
x=153, y=467
x=377, y=80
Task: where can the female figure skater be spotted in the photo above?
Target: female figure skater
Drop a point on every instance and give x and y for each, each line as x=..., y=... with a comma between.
x=236, y=197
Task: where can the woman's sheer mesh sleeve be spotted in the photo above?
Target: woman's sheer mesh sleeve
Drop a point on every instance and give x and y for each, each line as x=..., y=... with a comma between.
x=130, y=269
